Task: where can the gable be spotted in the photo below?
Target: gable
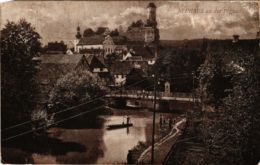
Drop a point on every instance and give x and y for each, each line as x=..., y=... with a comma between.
x=83, y=64
x=94, y=62
x=108, y=40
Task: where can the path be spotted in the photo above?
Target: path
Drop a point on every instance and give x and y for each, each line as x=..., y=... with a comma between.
x=162, y=147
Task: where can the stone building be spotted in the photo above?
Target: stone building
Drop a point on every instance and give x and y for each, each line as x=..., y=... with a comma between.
x=91, y=43
x=145, y=31
x=115, y=44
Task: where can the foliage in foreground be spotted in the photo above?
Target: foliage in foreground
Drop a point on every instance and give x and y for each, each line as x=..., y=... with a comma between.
x=230, y=133
x=19, y=45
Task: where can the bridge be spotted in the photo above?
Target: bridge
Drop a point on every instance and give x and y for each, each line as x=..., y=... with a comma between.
x=149, y=95
x=144, y=99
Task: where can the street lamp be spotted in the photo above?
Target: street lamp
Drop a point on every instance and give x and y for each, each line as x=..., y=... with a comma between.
x=154, y=110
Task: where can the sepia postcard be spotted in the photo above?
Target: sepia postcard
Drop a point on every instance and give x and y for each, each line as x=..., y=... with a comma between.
x=130, y=82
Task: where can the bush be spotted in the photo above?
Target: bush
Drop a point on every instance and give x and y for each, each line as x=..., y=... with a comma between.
x=76, y=88
x=41, y=121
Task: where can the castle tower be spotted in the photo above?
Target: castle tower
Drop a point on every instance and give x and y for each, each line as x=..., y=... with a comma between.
x=152, y=32
x=151, y=13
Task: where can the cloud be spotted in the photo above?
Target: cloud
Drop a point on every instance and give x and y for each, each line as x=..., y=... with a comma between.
x=57, y=20
x=208, y=19
x=124, y=18
x=133, y=10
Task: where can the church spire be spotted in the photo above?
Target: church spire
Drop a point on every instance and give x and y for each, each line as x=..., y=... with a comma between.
x=78, y=35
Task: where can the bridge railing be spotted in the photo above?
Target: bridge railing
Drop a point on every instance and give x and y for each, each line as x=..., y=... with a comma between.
x=146, y=94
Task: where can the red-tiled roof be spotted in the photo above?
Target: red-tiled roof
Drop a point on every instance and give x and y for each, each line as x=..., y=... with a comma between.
x=60, y=58
x=124, y=67
x=141, y=49
x=53, y=67
x=92, y=40
x=119, y=40
x=95, y=62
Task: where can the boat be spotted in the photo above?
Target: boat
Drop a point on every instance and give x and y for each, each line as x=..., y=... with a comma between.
x=118, y=126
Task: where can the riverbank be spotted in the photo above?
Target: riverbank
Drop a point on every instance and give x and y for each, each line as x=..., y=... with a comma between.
x=142, y=152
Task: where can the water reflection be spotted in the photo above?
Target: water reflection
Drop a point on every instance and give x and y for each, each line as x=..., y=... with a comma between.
x=117, y=142
x=101, y=145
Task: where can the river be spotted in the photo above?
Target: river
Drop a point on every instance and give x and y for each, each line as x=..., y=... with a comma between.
x=99, y=145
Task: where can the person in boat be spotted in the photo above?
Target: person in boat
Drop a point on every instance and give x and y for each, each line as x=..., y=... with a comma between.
x=127, y=120
x=130, y=157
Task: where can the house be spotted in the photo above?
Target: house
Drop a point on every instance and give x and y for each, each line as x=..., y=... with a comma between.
x=97, y=66
x=69, y=52
x=120, y=69
x=137, y=79
x=139, y=48
x=127, y=55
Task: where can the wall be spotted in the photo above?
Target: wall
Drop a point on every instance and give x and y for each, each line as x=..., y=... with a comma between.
x=79, y=47
x=136, y=34
x=98, y=70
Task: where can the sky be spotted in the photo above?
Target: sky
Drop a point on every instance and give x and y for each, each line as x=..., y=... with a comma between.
x=177, y=20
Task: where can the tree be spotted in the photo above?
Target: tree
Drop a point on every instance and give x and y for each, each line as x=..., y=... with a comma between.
x=231, y=134
x=212, y=82
x=138, y=23
x=114, y=33
x=100, y=30
x=88, y=32
x=76, y=88
x=57, y=46
x=178, y=65
x=19, y=45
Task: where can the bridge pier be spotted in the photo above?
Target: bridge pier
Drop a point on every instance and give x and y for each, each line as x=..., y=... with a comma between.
x=117, y=102
x=141, y=103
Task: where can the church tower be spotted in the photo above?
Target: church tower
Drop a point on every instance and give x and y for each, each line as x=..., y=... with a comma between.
x=75, y=42
x=151, y=14
x=78, y=35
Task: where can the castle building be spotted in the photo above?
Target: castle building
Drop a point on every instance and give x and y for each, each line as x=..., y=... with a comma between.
x=145, y=31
